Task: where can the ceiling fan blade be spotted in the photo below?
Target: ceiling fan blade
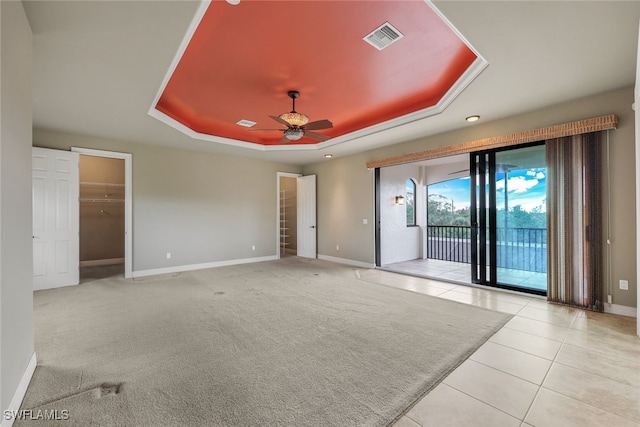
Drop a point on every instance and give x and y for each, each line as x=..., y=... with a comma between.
x=317, y=136
x=461, y=170
x=318, y=124
x=279, y=120
x=284, y=140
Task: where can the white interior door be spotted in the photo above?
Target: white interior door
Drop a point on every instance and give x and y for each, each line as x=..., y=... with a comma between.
x=56, y=243
x=306, y=194
x=636, y=108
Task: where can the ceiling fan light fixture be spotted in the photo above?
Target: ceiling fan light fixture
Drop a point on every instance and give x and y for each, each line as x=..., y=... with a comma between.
x=293, y=134
x=294, y=118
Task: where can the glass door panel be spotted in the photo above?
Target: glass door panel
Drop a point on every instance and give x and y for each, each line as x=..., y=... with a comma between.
x=508, y=219
x=521, y=218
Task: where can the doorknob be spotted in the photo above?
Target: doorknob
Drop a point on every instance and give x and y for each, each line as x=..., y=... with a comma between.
x=312, y=226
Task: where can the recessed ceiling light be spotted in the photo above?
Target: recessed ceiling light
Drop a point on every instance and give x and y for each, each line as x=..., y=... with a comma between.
x=328, y=156
x=234, y=2
x=246, y=123
x=474, y=118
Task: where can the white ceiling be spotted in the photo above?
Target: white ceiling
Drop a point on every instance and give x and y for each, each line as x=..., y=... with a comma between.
x=98, y=65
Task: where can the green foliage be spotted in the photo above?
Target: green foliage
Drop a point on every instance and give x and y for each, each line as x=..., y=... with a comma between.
x=519, y=218
x=411, y=218
x=442, y=211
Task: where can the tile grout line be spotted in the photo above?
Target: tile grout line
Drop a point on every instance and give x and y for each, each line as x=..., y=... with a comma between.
x=507, y=373
x=478, y=400
x=573, y=398
x=553, y=362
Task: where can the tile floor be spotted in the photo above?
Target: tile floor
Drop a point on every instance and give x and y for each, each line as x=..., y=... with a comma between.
x=461, y=272
x=548, y=366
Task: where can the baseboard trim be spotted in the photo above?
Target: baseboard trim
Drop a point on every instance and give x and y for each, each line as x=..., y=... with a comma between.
x=97, y=262
x=346, y=261
x=18, y=396
x=191, y=267
x=621, y=310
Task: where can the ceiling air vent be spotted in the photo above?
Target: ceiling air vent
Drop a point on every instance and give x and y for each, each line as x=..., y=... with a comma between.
x=383, y=36
x=246, y=123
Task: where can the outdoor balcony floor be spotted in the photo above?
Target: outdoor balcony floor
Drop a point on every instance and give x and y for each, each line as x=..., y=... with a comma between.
x=459, y=272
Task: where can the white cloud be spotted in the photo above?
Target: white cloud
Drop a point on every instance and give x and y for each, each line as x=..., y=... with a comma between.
x=518, y=184
x=528, y=205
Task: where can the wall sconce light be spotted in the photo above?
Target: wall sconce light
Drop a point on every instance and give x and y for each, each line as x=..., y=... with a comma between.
x=399, y=200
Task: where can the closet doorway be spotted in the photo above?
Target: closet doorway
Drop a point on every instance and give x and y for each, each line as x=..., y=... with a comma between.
x=101, y=218
x=287, y=214
x=105, y=214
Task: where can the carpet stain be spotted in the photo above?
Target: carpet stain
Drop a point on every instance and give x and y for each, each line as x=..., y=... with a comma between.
x=105, y=389
x=218, y=293
x=108, y=389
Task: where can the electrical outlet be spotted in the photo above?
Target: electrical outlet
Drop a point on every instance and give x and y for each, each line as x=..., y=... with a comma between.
x=168, y=255
x=608, y=299
x=337, y=247
x=365, y=221
x=253, y=248
x=624, y=285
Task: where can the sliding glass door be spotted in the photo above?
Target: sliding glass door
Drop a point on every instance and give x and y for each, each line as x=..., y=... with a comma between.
x=508, y=218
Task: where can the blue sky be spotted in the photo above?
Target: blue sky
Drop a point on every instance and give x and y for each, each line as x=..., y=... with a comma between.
x=526, y=187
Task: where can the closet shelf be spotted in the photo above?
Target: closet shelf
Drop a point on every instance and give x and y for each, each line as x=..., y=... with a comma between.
x=83, y=200
x=100, y=184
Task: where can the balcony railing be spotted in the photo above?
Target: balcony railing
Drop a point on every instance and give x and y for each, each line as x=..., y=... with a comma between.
x=449, y=243
x=517, y=248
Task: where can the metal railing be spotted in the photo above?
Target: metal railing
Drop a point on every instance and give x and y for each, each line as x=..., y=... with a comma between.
x=517, y=248
x=522, y=249
x=449, y=243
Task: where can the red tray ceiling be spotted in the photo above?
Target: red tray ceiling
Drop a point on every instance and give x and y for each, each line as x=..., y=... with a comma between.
x=242, y=60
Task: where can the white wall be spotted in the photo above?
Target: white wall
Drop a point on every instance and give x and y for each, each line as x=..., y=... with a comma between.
x=444, y=172
x=16, y=254
x=397, y=241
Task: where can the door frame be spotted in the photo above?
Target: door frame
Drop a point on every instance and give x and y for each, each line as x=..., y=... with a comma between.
x=128, y=199
x=278, y=176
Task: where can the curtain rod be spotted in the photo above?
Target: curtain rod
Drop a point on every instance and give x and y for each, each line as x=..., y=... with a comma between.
x=567, y=129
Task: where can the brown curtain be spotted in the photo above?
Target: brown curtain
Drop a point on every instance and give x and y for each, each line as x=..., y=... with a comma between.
x=574, y=221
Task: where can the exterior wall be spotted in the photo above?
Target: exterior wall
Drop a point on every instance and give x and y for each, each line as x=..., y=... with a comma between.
x=16, y=252
x=397, y=241
x=346, y=187
x=201, y=208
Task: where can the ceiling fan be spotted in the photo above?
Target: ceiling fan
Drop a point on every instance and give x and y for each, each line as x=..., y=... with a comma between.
x=298, y=124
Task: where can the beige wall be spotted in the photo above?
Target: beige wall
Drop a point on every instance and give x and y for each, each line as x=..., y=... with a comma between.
x=16, y=253
x=101, y=208
x=344, y=198
x=346, y=188
x=200, y=207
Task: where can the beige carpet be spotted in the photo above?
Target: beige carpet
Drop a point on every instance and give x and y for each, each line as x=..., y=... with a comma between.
x=291, y=342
